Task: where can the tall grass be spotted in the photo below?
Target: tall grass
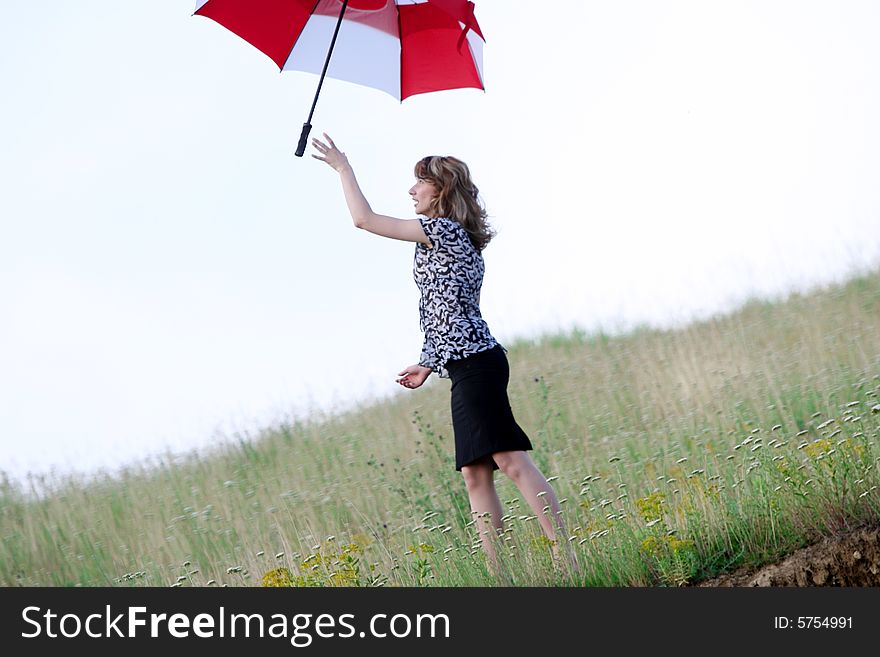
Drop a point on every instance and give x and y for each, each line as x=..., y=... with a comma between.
x=679, y=454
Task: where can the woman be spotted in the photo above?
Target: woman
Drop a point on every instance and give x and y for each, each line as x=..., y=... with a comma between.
x=450, y=234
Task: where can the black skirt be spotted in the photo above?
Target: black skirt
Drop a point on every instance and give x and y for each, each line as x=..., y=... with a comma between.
x=482, y=419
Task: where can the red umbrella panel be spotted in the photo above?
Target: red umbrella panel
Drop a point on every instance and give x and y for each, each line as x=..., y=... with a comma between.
x=402, y=47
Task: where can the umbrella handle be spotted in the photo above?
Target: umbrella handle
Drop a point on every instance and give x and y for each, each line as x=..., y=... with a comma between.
x=303, y=138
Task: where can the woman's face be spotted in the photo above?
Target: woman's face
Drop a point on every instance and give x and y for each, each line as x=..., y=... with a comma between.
x=422, y=193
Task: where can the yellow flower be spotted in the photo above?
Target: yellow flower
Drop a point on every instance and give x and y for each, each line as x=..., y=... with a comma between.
x=658, y=546
x=678, y=545
x=344, y=578
x=815, y=449
x=278, y=577
x=652, y=546
x=542, y=541
x=652, y=506
x=304, y=581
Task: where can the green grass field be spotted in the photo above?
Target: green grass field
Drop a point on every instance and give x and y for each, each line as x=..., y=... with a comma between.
x=679, y=454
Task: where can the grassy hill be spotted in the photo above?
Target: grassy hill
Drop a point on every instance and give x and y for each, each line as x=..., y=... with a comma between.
x=680, y=454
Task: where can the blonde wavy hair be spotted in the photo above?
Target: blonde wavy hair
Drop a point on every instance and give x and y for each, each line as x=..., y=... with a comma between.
x=458, y=197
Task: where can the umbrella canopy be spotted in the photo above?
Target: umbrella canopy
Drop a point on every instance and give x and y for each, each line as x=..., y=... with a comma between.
x=403, y=47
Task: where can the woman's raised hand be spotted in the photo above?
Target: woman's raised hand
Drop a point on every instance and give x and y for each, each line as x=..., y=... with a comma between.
x=413, y=376
x=329, y=153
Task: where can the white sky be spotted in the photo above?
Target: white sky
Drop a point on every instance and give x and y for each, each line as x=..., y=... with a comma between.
x=170, y=272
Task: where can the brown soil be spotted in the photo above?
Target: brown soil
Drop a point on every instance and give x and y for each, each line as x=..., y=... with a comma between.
x=848, y=559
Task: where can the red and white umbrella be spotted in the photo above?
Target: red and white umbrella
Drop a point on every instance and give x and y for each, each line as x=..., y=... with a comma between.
x=402, y=47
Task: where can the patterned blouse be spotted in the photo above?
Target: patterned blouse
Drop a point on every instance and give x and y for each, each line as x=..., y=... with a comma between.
x=449, y=277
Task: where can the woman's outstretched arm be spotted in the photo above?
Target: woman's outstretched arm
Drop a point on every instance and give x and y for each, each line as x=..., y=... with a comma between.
x=362, y=214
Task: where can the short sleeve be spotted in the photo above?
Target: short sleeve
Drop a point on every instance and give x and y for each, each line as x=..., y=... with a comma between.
x=438, y=230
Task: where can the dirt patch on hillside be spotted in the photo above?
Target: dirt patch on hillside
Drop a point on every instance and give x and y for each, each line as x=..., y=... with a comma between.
x=848, y=559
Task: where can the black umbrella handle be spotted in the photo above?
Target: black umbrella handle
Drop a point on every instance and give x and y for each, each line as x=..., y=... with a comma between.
x=303, y=138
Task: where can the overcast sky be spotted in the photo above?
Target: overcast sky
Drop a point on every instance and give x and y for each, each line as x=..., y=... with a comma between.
x=171, y=273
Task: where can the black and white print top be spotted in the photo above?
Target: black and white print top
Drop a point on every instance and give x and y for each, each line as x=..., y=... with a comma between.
x=449, y=277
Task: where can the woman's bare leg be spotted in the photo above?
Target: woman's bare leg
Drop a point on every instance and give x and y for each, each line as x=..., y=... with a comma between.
x=485, y=507
x=540, y=496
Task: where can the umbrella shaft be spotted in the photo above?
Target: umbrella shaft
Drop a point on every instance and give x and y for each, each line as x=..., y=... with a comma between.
x=327, y=61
